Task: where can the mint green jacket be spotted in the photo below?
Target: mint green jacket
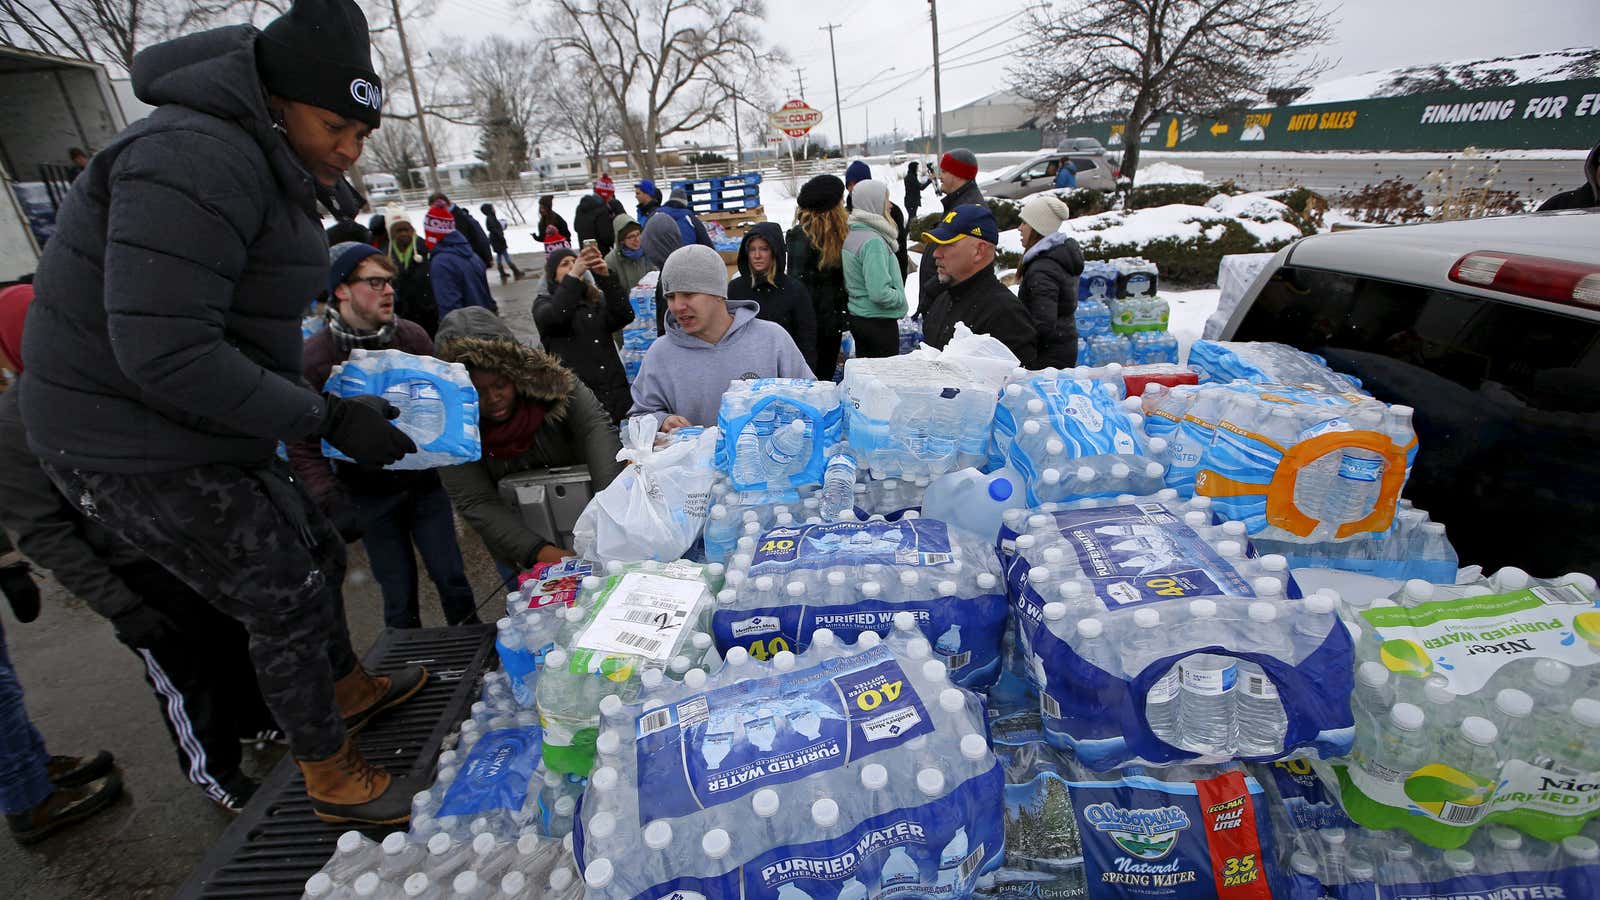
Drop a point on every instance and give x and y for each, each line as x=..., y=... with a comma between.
x=871, y=272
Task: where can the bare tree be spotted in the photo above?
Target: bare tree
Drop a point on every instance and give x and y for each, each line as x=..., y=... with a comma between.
x=654, y=57
x=396, y=148
x=108, y=31
x=1152, y=58
x=497, y=85
x=581, y=114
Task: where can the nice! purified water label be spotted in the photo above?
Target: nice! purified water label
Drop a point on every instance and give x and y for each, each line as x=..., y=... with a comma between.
x=496, y=773
x=724, y=744
x=1466, y=641
x=1148, y=838
x=1143, y=553
x=915, y=542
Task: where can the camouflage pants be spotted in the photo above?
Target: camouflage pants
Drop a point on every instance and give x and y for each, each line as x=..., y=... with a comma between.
x=250, y=542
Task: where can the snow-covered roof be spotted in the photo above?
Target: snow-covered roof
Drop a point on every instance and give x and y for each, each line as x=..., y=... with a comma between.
x=1499, y=71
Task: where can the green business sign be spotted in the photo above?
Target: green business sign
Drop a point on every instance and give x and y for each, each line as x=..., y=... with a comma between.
x=1556, y=114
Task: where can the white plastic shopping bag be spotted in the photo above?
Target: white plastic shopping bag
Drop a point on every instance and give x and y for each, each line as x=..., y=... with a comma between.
x=656, y=507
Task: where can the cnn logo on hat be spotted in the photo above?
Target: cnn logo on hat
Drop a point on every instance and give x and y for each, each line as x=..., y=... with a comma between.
x=366, y=93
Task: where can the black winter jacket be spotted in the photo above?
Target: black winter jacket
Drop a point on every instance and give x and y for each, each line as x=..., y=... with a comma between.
x=413, y=289
x=987, y=307
x=1049, y=291
x=927, y=272
x=1583, y=197
x=576, y=323
x=784, y=300
x=473, y=232
x=829, y=299
x=165, y=332
x=497, y=232
x=592, y=221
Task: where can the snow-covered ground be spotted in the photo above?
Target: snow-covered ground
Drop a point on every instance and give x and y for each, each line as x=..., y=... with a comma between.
x=1181, y=221
x=1169, y=173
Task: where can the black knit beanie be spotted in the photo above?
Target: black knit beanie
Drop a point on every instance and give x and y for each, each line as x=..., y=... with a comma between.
x=551, y=260
x=319, y=53
x=821, y=193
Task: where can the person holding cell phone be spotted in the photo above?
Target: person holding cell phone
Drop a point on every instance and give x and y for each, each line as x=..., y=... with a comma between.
x=580, y=305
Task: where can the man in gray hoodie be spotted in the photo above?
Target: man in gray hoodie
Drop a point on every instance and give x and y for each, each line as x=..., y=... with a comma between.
x=711, y=341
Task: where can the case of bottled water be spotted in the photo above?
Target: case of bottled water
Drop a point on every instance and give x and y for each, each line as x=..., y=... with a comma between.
x=850, y=771
x=910, y=334
x=1151, y=634
x=1220, y=362
x=1139, y=313
x=914, y=574
x=1474, y=707
x=638, y=625
x=437, y=402
x=1104, y=350
x=1152, y=347
x=1324, y=854
x=1071, y=437
x=1136, y=277
x=1413, y=547
x=778, y=433
x=916, y=415
x=1098, y=282
x=1093, y=317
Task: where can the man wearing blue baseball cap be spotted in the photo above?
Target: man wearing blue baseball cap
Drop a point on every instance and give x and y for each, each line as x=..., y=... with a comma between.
x=964, y=256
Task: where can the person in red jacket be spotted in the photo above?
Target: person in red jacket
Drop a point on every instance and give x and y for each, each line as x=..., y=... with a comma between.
x=387, y=511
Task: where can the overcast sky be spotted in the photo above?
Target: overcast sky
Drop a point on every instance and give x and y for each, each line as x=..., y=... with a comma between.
x=975, y=37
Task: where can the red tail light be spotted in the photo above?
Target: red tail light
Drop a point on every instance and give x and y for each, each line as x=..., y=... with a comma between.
x=1536, y=277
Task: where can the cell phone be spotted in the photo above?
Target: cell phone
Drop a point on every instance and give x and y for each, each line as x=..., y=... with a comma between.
x=591, y=242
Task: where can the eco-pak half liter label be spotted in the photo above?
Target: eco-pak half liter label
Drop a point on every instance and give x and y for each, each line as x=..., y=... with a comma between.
x=1467, y=641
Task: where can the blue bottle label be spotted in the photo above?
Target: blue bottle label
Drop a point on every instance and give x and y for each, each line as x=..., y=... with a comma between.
x=1141, y=553
x=496, y=773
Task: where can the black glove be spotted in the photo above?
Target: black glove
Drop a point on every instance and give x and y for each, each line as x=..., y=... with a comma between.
x=143, y=626
x=359, y=427
x=346, y=519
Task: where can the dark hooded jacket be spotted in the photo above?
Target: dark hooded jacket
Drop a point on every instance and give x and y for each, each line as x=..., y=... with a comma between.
x=927, y=273
x=457, y=278
x=497, y=231
x=576, y=431
x=592, y=221
x=468, y=227
x=690, y=228
x=1049, y=290
x=987, y=307
x=1581, y=197
x=830, y=300
x=661, y=237
x=783, y=300
x=576, y=321
x=166, y=333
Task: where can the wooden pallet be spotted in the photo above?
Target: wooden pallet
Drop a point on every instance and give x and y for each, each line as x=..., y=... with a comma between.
x=735, y=223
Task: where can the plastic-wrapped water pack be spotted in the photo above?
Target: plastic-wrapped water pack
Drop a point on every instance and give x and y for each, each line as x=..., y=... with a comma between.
x=1413, y=547
x=437, y=402
x=850, y=771
x=1264, y=362
x=777, y=433
x=916, y=415
x=1474, y=707
x=1071, y=437
x=1151, y=634
x=638, y=625
x=853, y=577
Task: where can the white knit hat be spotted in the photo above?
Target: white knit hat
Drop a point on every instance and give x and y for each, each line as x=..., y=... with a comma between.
x=1044, y=213
x=393, y=214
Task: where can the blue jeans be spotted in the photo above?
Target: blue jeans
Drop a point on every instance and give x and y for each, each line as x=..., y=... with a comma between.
x=24, y=780
x=421, y=515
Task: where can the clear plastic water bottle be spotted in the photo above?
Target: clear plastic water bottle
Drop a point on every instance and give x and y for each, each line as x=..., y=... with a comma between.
x=1149, y=643
x=784, y=451
x=747, y=458
x=1262, y=722
x=838, y=487
x=1206, y=720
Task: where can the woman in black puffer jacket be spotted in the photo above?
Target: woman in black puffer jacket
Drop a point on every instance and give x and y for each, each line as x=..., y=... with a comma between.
x=576, y=318
x=1051, y=264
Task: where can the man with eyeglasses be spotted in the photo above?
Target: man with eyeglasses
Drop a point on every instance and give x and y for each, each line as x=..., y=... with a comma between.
x=386, y=510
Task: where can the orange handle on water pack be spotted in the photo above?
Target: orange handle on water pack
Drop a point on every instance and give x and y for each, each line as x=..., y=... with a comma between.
x=1281, y=511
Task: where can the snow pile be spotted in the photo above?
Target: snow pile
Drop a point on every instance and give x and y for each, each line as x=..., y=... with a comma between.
x=1178, y=222
x=1168, y=173
x=1256, y=207
x=1461, y=74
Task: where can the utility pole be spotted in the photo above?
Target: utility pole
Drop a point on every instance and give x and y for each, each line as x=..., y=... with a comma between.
x=938, y=108
x=416, y=100
x=922, y=130
x=838, y=110
x=800, y=76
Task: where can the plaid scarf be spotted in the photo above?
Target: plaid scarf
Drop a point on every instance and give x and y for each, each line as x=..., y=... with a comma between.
x=346, y=338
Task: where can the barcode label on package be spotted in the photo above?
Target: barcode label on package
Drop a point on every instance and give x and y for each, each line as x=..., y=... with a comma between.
x=643, y=616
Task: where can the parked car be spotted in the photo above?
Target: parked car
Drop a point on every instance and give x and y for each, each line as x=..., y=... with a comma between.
x=899, y=158
x=1490, y=329
x=1038, y=173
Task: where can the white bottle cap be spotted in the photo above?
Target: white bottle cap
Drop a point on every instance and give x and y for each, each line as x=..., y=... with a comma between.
x=367, y=884
x=934, y=670
x=602, y=825
x=1038, y=574
x=1158, y=446
x=736, y=656
x=1373, y=674
x=1407, y=716
x=1146, y=618
x=765, y=803
x=513, y=884
x=952, y=700
x=1203, y=608
x=1514, y=703
x=555, y=659
x=974, y=747
x=795, y=589
x=1332, y=836
x=1303, y=863
x=1479, y=730
x=394, y=843
x=1120, y=470
x=1505, y=838
x=728, y=596
x=1580, y=847
x=658, y=834
x=597, y=874
x=1154, y=470
x=1552, y=672
x=823, y=637
x=825, y=813
x=1460, y=861
x=651, y=678
x=1319, y=604
x=947, y=588
x=694, y=679
x=439, y=844
x=528, y=844
x=465, y=882
x=987, y=581
x=1437, y=690
x=1085, y=473
x=604, y=778
x=483, y=844
x=870, y=589
x=1054, y=447
x=417, y=883
x=1418, y=591
x=1580, y=581
x=1090, y=629
x=874, y=777
x=560, y=879
x=1263, y=612
x=1054, y=611
x=1025, y=542
x=610, y=704
x=930, y=782
x=1051, y=476
x=1230, y=549
x=868, y=640
x=1511, y=578
x=349, y=842
x=319, y=885
x=1586, y=712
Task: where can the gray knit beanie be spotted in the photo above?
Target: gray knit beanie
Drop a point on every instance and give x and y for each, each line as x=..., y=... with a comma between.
x=695, y=269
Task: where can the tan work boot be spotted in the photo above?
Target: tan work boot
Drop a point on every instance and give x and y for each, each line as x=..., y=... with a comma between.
x=346, y=788
x=361, y=696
